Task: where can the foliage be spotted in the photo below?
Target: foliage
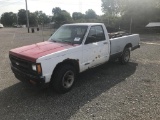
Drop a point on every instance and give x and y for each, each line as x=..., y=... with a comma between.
x=41, y=17
x=140, y=12
x=111, y=6
x=56, y=11
x=8, y=18
x=32, y=19
x=60, y=16
x=77, y=15
x=35, y=18
x=22, y=19
x=117, y=14
x=90, y=14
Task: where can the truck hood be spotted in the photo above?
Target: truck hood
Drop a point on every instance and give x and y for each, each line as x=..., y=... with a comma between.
x=33, y=52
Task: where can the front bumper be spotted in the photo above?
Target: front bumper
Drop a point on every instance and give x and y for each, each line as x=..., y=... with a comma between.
x=27, y=78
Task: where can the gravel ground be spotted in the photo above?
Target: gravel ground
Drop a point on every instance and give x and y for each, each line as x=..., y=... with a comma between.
x=108, y=92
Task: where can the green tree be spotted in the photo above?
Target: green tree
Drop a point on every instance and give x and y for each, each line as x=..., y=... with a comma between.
x=33, y=19
x=60, y=16
x=111, y=6
x=8, y=18
x=56, y=11
x=66, y=16
x=90, y=14
x=139, y=12
x=77, y=15
x=41, y=17
x=22, y=19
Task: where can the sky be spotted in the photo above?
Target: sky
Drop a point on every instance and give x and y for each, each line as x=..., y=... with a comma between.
x=47, y=5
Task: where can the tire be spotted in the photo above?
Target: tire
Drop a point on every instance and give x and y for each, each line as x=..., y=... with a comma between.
x=124, y=59
x=64, y=78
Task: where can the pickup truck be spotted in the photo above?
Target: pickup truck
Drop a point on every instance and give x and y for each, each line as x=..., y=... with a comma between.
x=72, y=49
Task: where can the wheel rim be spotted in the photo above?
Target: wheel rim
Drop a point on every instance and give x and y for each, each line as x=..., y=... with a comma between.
x=126, y=56
x=68, y=79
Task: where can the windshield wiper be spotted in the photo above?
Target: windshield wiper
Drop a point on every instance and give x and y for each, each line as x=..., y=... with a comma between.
x=53, y=40
x=67, y=41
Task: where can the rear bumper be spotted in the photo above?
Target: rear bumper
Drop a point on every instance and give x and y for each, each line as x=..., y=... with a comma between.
x=27, y=78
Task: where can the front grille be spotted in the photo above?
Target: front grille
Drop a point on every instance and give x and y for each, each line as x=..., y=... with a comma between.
x=22, y=65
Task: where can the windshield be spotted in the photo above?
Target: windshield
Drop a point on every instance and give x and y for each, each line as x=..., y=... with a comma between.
x=69, y=34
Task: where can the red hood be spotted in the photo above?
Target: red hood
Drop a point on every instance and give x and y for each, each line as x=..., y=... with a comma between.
x=33, y=52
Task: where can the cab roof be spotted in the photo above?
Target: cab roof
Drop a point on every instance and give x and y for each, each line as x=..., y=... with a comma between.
x=85, y=24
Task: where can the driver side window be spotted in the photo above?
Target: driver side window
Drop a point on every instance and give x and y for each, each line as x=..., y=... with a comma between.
x=91, y=36
x=96, y=34
x=92, y=32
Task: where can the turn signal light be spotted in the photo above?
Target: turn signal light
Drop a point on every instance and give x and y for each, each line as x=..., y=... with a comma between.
x=39, y=69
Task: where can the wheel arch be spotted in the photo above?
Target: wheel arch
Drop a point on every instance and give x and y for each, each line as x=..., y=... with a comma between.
x=129, y=45
x=72, y=62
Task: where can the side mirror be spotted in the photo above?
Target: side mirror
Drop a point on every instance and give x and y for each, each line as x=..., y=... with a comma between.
x=90, y=39
x=51, y=34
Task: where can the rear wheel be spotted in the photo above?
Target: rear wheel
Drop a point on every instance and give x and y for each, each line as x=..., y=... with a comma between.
x=64, y=78
x=124, y=59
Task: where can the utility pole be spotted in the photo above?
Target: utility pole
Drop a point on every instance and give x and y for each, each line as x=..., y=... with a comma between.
x=17, y=18
x=131, y=25
x=27, y=15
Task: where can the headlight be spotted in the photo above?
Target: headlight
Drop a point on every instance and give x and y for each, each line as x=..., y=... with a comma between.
x=37, y=68
x=34, y=67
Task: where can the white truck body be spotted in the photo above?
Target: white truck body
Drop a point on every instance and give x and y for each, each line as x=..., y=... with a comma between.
x=1, y=25
x=86, y=55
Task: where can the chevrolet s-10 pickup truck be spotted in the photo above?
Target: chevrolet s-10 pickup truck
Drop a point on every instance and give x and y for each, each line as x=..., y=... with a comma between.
x=72, y=49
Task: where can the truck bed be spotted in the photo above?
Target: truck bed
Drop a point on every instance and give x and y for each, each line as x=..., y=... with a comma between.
x=118, y=44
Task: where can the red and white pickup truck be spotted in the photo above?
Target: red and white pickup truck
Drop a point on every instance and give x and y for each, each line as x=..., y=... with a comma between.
x=72, y=49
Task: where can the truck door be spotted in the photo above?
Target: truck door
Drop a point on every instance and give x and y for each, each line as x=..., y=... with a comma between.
x=90, y=49
x=103, y=49
x=95, y=50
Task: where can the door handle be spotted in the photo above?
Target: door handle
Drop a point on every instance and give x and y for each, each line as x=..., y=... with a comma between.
x=105, y=43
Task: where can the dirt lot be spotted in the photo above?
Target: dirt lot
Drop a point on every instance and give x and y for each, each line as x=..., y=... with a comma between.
x=110, y=92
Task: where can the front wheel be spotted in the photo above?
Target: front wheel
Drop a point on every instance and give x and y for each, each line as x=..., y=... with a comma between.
x=124, y=59
x=64, y=78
